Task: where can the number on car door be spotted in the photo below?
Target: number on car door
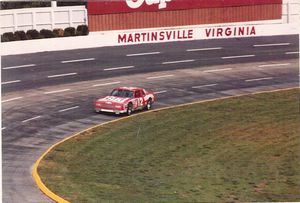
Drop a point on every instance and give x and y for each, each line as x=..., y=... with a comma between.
x=139, y=98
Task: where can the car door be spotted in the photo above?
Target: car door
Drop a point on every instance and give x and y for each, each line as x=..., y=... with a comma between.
x=143, y=99
x=139, y=98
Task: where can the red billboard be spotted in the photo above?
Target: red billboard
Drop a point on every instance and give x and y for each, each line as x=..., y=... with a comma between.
x=127, y=6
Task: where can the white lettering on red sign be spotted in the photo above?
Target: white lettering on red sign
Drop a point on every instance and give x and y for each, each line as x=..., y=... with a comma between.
x=138, y=3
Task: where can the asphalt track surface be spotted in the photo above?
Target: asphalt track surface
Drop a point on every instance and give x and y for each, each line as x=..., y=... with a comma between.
x=49, y=96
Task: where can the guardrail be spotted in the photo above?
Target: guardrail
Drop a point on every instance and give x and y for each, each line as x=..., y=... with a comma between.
x=42, y=18
x=290, y=11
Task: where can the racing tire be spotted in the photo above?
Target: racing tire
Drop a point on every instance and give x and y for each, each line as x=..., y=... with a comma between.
x=129, y=109
x=149, y=104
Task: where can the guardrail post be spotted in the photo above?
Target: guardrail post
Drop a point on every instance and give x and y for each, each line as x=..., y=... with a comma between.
x=52, y=19
x=15, y=21
x=70, y=17
x=288, y=12
x=85, y=17
x=33, y=20
x=53, y=4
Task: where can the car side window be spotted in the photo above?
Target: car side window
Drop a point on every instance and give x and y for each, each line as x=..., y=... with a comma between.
x=137, y=94
x=114, y=93
x=128, y=94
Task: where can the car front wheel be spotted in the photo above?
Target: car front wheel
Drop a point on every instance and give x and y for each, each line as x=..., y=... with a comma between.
x=129, y=109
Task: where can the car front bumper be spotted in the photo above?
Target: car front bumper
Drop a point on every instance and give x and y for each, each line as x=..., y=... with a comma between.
x=116, y=111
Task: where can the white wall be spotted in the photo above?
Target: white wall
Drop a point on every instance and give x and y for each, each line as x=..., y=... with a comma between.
x=61, y=17
x=289, y=24
x=111, y=38
x=42, y=18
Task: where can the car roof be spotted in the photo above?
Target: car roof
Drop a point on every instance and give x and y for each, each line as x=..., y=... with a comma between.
x=130, y=88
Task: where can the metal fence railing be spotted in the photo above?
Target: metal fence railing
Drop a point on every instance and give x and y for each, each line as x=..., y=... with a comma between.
x=42, y=18
x=291, y=11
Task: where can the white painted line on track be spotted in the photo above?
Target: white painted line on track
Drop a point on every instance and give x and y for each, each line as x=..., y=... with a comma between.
x=30, y=119
x=201, y=86
x=10, y=82
x=68, y=109
x=258, y=79
x=61, y=75
x=119, y=68
x=20, y=66
x=3, y=128
x=217, y=70
x=271, y=45
x=158, y=77
x=143, y=54
x=205, y=49
x=292, y=52
x=105, y=84
x=241, y=56
x=274, y=65
x=12, y=99
x=78, y=60
x=161, y=92
x=57, y=91
x=174, y=62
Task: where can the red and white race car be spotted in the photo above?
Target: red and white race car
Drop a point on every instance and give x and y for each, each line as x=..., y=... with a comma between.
x=125, y=100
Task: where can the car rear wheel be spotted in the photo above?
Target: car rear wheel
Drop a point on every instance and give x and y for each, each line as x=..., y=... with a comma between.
x=129, y=109
x=149, y=104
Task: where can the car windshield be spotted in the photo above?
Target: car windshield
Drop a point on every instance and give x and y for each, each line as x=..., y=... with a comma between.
x=122, y=93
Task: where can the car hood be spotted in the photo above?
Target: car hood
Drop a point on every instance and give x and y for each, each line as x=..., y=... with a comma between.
x=114, y=100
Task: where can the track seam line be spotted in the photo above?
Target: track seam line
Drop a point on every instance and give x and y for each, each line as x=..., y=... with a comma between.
x=30, y=119
x=68, y=109
x=61, y=75
x=78, y=60
x=143, y=54
x=12, y=99
x=19, y=66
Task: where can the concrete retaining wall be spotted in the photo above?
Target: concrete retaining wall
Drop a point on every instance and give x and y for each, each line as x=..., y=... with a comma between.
x=155, y=35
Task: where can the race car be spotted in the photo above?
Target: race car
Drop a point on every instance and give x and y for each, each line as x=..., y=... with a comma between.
x=125, y=100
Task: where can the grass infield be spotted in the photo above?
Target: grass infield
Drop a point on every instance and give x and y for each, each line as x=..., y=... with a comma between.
x=239, y=149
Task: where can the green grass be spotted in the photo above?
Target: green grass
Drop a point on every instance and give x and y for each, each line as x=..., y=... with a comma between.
x=240, y=149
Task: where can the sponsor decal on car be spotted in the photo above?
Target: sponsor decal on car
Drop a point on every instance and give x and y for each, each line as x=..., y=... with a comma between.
x=114, y=99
